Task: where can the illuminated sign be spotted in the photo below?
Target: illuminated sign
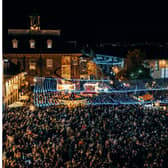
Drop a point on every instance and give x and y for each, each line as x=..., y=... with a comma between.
x=91, y=86
x=66, y=87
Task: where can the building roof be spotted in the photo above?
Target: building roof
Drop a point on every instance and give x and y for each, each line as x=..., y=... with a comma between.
x=38, y=32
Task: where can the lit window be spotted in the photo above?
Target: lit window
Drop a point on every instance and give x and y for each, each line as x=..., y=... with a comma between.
x=32, y=66
x=49, y=43
x=32, y=43
x=162, y=63
x=66, y=71
x=49, y=63
x=15, y=43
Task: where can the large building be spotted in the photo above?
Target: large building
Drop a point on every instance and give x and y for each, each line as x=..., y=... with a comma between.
x=42, y=52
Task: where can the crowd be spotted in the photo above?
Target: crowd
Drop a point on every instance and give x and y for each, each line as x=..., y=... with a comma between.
x=121, y=136
x=45, y=93
x=54, y=98
x=142, y=84
x=161, y=95
x=117, y=136
x=111, y=98
x=49, y=84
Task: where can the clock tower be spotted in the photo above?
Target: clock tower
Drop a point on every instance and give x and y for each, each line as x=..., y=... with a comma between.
x=34, y=22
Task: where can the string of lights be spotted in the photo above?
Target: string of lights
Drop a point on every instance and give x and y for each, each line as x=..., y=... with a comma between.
x=51, y=91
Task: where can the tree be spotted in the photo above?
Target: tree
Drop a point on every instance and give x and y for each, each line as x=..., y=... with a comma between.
x=122, y=74
x=134, y=59
x=135, y=68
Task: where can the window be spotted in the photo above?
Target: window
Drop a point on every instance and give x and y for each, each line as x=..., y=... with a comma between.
x=66, y=60
x=74, y=61
x=15, y=43
x=66, y=71
x=49, y=43
x=32, y=43
x=49, y=63
x=32, y=66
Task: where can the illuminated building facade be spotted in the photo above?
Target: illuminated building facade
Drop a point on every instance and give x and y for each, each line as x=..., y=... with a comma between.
x=42, y=52
x=11, y=86
x=158, y=67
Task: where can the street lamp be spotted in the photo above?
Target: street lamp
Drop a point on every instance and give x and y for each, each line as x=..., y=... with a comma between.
x=32, y=108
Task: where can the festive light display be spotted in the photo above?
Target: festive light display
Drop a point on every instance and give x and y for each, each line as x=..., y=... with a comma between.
x=48, y=93
x=50, y=84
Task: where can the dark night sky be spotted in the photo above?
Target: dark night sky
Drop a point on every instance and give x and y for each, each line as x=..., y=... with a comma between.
x=93, y=20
